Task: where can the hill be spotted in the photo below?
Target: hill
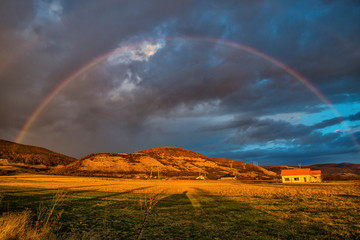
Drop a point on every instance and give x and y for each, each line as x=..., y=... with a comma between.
x=337, y=168
x=326, y=168
x=31, y=155
x=162, y=161
x=277, y=169
x=330, y=171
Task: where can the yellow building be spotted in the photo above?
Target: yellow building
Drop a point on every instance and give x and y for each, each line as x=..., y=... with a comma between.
x=300, y=175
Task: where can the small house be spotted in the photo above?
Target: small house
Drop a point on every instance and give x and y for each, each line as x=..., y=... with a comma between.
x=201, y=177
x=300, y=175
x=227, y=177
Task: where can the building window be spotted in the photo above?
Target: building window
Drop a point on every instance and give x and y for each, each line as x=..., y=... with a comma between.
x=296, y=179
x=287, y=179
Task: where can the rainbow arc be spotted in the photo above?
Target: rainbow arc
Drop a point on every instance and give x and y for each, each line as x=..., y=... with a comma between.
x=227, y=43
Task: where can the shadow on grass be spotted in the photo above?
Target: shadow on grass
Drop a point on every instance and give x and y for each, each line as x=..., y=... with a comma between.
x=211, y=217
x=20, y=200
x=349, y=196
x=113, y=215
x=175, y=201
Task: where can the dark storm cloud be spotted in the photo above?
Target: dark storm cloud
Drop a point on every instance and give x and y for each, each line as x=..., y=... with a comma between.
x=263, y=130
x=340, y=148
x=100, y=35
x=44, y=42
x=255, y=131
x=354, y=117
x=304, y=156
x=328, y=122
x=310, y=38
x=63, y=46
x=13, y=17
x=334, y=121
x=250, y=131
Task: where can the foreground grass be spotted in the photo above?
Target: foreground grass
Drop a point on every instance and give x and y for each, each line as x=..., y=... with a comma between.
x=21, y=225
x=117, y=209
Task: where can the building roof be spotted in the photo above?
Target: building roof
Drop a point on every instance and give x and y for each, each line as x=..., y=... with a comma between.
x=299, y=171
x=315, y=172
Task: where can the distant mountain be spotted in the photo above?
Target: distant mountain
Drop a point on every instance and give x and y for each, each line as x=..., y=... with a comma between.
x=163, y=161
x=337, y=168
x=344, y=169
x=31, y=155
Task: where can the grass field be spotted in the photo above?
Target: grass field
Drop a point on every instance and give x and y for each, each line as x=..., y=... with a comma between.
x=100, y=208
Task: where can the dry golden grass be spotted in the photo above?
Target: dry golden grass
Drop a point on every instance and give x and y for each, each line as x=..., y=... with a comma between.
x=219, y=188
x=20, y=225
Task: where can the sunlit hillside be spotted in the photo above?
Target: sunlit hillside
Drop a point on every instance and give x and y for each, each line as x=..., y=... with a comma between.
x=162, y=162
x=31, y=155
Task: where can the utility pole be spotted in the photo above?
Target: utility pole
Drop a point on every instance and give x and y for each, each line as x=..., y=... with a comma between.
x=231, y=166
x=158, y=170
x=151, y=171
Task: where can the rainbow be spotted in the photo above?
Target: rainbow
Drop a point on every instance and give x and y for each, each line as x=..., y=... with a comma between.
x=227, y=43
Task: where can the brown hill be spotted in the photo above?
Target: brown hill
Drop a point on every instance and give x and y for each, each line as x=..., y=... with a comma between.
x=243, y=167
x=163, y=161
x=277, y=169
x=330, y=171
x=170, y=152
x=337, y=168
x=31, y=155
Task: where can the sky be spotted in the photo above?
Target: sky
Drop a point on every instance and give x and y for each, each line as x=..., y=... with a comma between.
x=266, y=82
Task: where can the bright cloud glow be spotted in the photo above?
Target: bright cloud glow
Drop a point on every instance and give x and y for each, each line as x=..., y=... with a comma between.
x=141, y=53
